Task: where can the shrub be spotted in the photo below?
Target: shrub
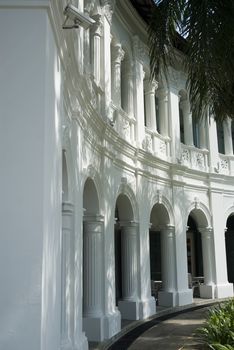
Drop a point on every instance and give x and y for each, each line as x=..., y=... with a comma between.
x=218, y=331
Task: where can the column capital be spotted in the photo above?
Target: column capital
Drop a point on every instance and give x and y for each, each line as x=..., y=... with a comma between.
x=93, y=218
x=169, y=230
x=97, y=28
x=185, y=105
x=117, y=53
x=162, y=94
x=67, y=207
x=206, y=231
x=128, y=223
x=150, y=86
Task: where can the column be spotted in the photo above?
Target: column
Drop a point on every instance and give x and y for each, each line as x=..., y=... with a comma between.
x=139, y=101
x=163, y=111
x=203, y=132
x=96, y=32
x=129, y=305
x=188, y=122
x=127, y=88
x=92, y=277
x=167, y=297
x=150, y=110
x=227, y=129
x=207, y=290
x=67, y=274
x=213, y=144
x=116, y=58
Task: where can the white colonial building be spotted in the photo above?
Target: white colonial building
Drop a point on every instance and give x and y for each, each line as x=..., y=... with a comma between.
x=112, y=194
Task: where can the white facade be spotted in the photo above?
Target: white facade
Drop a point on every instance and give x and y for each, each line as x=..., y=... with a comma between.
x=91, y=160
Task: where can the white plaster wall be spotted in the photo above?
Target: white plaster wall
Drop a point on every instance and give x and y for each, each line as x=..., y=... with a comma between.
x=30, y=181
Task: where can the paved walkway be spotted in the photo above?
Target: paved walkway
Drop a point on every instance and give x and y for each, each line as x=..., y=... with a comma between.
x=175, y=333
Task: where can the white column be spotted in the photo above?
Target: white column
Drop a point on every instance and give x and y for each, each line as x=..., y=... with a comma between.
x=162, y=95
x=207, y=290
x=188, y=123
x=129, y=260
x=139, y=101
x=203, y=133
x=213, y=143
x=127, y=86
x=116, y=58
x=129, y=305
x=96, y=32
x=67, y=274
x=167, y=297
x=227, y=129
x=92, y=276
x=150, y=87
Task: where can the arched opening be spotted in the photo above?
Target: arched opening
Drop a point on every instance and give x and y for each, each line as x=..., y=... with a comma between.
x=161, y=238
x=229, y=239
x=123, y=213
x=92, y=263
x=125, y=238
x=194, y=256
x=200, y=254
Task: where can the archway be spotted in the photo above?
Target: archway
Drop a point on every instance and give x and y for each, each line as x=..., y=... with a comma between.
x=200, y=254
x=93, y=224
x=162, y=256
x=229, y=239
x=194, y=256
x=126, y=285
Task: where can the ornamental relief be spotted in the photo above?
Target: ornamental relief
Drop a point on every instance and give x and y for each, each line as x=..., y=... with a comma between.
x=147, y=143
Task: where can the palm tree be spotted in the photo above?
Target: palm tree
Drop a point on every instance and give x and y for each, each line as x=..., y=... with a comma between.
x=205, y=28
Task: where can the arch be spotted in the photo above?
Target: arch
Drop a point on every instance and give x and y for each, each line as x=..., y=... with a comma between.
x=91, y=173
x=228, y=212
x=127, y=191
x=163, y=201
x=200, y=213
x=90, y=198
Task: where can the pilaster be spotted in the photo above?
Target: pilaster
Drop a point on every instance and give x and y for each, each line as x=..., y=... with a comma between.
x=67, y=275
x=96, y=32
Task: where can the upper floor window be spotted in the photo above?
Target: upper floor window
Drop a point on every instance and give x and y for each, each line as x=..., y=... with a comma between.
x=220, y=136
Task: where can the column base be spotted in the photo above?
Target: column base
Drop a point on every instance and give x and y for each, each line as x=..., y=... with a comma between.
x=224, y=290
x=166, y=298
x=129, y=309
x=147, y=308
x=207, y=291
x=66, y=345
x=184, y=297
x=82, y=344
x=94, y=328
x=112, y=324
